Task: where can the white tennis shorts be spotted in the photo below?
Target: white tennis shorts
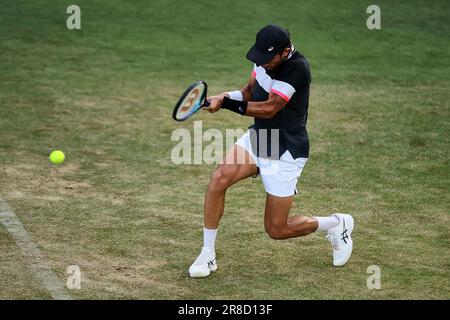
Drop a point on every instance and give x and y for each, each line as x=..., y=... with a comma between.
x=279, y=177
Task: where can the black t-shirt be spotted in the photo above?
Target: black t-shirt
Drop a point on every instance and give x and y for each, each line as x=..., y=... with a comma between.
x=291, y=81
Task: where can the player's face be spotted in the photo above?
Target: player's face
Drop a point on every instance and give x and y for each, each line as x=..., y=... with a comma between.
x=276, y=61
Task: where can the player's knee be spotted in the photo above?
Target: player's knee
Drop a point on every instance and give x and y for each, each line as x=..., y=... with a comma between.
x=275, y=232
x=220, y=180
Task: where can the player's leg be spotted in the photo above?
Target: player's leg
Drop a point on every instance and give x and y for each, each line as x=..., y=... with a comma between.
x=279, y=225
x=238, y=164
x=339, y=227
x=280, y=180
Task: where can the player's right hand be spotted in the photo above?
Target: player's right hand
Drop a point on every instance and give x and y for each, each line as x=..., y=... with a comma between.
x=215, y=103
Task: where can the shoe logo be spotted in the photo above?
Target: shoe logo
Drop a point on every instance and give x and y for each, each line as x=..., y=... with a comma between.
x=344, y=234
x=211, y=263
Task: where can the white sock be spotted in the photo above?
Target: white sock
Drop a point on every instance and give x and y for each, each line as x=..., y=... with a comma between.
x=327, y=223
x=209, y=238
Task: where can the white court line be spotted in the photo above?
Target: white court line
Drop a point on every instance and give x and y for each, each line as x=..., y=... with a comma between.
x=36, y=259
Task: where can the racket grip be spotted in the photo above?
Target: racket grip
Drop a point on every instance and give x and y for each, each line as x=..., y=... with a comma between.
x=206, y=103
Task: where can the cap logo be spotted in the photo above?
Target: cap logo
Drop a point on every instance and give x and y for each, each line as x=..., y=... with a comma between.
x=270, y=48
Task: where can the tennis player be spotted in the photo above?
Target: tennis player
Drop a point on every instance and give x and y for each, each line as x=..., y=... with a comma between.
x=276, y=147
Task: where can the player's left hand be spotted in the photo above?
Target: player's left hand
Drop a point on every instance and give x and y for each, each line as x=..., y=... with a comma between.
x=215, y=103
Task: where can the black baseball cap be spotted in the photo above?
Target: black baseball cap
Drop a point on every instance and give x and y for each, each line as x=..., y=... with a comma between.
x=270, y=40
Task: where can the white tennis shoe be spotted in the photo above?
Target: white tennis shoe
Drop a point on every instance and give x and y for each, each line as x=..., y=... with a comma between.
x=341, y=240
x=204, y=264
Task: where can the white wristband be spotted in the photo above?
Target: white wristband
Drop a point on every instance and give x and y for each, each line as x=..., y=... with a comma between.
x=236, y=95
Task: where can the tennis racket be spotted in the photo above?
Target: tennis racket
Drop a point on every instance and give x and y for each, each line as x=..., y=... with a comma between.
x=192, y=100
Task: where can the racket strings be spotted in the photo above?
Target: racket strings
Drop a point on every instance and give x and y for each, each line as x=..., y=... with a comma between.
x=191, y=101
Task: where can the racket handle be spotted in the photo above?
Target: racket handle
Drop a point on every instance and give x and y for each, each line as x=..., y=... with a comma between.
x=206, y=103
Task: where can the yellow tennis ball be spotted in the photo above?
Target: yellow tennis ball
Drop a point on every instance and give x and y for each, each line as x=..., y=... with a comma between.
x=57, y=157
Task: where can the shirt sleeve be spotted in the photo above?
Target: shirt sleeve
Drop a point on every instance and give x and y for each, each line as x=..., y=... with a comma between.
x=288, y=82
x=254, y=71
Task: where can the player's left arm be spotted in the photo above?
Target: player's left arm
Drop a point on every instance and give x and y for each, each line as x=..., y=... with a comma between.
x=281, y=91
x=266, y=109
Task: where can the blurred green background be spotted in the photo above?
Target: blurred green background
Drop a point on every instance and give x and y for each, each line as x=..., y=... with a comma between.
x=131, y=219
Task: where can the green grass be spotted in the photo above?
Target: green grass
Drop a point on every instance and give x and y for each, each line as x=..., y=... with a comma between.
x=379, y=128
